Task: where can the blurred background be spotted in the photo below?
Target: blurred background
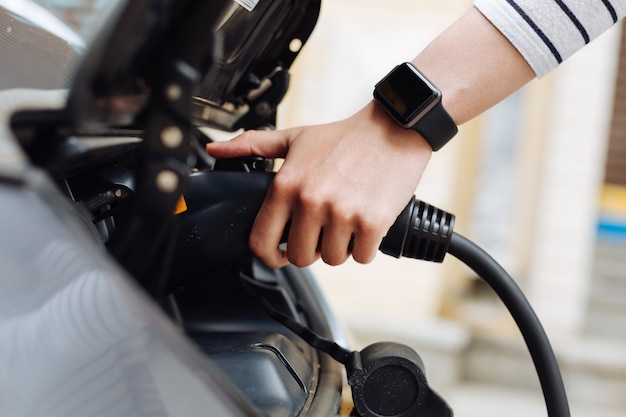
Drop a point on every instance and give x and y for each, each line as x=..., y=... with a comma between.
x=539, y=182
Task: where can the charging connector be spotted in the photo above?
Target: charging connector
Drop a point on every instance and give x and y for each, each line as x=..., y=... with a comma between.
x=421, y=231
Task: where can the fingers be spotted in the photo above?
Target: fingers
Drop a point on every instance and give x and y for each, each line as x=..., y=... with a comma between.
x=336, y=241
x=333, y=237
x=268, y=230
x=265, y=143
x=318, y=228
x=304, y=236
x=366, y=242
x=313, y=231
x=347, y=233
x=284, y=204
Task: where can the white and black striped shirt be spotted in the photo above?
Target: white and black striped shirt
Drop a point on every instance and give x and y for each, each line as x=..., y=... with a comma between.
x=546, y=32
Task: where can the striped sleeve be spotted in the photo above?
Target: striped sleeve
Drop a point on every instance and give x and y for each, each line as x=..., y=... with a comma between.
x=546, y=32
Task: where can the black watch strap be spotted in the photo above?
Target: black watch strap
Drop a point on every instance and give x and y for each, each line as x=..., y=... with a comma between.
x=436, y=126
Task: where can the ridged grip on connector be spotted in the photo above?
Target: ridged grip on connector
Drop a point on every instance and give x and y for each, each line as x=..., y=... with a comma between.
x=421, y=232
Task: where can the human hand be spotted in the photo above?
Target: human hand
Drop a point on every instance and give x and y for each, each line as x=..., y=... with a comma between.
x=342, y=185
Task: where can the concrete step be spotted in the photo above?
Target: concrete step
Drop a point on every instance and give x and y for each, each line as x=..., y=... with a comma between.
x=491, y=400
x=593, y=369
x=606, y=309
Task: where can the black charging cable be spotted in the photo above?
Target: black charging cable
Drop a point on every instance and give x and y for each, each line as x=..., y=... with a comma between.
x=529, y=325
x=425, y=232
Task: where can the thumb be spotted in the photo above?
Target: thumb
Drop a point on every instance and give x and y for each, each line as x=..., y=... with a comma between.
x=264, y=143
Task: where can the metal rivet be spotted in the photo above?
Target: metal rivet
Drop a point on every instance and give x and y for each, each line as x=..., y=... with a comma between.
x=167, y=181
x=263, y=109
x=295, y=45
x=171, y=137
x=173, y=92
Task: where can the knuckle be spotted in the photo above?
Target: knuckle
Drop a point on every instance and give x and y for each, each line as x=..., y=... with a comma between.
x=247, y=136
x=376, y=223
x=342, y=213
x=371, y=225
x=283, y=186
x=310, y=202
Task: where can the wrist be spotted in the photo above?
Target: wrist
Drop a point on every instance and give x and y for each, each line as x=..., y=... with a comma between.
x=390, y=130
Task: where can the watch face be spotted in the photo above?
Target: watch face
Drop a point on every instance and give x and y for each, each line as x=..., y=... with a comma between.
x=406, y=94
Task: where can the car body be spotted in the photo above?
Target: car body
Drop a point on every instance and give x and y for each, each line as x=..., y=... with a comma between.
x=98, y=313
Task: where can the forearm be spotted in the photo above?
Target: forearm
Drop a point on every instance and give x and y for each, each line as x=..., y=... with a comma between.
x=474, y=65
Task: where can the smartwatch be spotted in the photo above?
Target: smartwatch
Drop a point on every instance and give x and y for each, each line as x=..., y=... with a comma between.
x=415, y=103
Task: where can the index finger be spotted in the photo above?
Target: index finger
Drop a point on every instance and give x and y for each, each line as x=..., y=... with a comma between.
x=268, y=229
x=264, y=143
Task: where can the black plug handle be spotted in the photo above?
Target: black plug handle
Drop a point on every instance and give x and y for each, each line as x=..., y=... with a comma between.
x=222, y=206
x=421, y=231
